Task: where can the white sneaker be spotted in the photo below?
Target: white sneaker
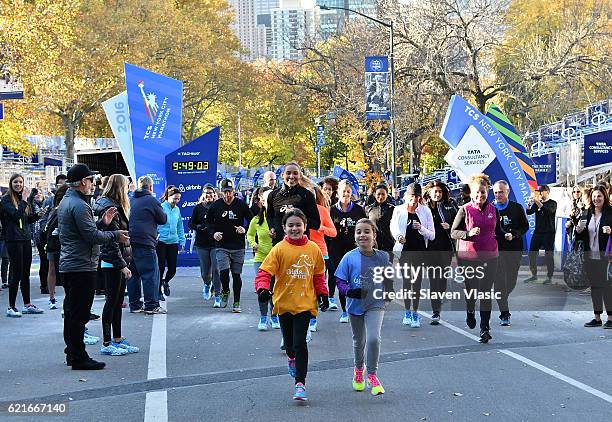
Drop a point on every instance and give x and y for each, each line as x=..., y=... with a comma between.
x=52, y=304
x=333, y=306
x=344, y=318
x=13, y=313
x=308, y=336
x=416, y=320
x=275, y=322
x=263, y=323
x=312, y=326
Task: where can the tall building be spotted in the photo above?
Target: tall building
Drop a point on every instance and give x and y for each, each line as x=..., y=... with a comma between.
x=245, y=27
x=293, y=23
x=332, y=21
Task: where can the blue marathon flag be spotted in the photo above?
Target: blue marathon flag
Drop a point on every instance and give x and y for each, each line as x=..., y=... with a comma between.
x=278, y=173
x=156, y=116
x=257, y=175
x=237, y=177
x=343, y=174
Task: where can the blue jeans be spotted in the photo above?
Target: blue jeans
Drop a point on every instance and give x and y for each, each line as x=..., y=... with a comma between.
x=144, y=269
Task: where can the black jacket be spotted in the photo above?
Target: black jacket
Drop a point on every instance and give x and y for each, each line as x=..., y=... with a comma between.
x=345, y=223
x=204, y=238
x=606, y=220
x=380, y=215
x=16, y=225
x=145, y=214
x=118, y=254
x=224, y=218
x=513, y=220
x=443, y=213
x=284, y=199
x=545, y=216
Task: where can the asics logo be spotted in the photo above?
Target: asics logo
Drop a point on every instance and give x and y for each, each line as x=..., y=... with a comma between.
x=286, y=208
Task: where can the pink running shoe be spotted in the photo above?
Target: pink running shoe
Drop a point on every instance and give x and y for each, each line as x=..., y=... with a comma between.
x=375, y=385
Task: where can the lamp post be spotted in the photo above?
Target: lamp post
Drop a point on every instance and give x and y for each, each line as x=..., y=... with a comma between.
x=391, y=84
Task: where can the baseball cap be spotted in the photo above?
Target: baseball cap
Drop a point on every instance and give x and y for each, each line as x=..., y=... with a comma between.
x=78, y=172
x=543, y=188
x=226, y=184
x=414, y=189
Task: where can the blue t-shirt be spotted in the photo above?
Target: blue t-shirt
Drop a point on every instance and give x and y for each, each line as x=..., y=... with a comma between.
x=358, y=270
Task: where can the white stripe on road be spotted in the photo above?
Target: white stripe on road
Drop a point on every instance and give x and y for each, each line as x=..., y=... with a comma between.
x=156, y=402
x=520, y=358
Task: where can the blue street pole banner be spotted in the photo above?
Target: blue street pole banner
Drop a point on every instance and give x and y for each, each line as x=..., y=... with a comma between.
x=545, y=167
x=1, y=111
x=598, y=149
x=478, y=147
x=342, y=174
x=378, y=94
x=155, y=110
x=320, y=136
x=189, y=168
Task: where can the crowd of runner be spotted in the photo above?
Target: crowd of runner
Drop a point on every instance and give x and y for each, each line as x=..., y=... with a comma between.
x=309, y=240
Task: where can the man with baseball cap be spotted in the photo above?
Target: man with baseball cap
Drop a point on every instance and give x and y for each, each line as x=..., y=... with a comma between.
x=80, y=239
x=543, y=237
x=228, y=219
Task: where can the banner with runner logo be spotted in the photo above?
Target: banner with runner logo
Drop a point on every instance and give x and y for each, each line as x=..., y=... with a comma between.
x=118, y=115
x=378, y=94
x=155, y=111
x=189, y=168
x=343, y=174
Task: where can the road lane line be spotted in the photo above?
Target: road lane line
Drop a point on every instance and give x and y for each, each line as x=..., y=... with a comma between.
x=156, y=402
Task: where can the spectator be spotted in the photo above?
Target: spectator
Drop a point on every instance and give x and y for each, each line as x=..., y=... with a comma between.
x=80, y=239
x=36, y=201
x=329, y=185
x=53, y=246
x=395, y=197
x=464, y=195
x=543, y=237
x=145, y=214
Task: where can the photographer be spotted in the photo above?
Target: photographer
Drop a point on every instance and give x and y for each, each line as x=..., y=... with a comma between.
x=543, y=237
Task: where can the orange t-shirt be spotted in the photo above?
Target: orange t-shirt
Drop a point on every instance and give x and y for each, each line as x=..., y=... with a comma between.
x=294, y=268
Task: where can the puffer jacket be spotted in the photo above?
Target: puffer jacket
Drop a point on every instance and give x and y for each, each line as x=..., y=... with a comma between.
x=16, y=225
x=118, y=254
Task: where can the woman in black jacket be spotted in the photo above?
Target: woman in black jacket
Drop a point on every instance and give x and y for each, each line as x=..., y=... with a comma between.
x=440, y=250
x=594, y=230
x=17, y=216
x=115, y=259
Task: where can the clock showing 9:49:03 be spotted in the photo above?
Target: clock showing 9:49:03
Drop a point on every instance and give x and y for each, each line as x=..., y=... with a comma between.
x=189, y=165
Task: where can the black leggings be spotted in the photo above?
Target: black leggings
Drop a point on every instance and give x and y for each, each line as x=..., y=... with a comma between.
x=166, y=253
x=332, y=266
x=414, y=259
x=43, y=271
x=114, y=286
x=478, y=284
x=293, y=328
x=224, y=275
x=20, y=257
x=508, y=265
x=601, y=288
x=439, y=261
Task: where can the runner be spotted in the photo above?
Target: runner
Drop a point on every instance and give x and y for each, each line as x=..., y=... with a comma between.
x=366, y=304
x=298, y=266
x=441, y=248
x=227, y=219
x=171, y=239
x=380, y=212
x=412, y=227
x=476, y=226
x=115, y=259
x=345, y=215
x=258, y=236
x=205, y=246
x=17, y=216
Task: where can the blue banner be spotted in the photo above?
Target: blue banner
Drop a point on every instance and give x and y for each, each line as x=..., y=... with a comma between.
x=279, y=179
x=189, y=168
x=257, y=175
x=377, y=85
x=342, y=174
x=237, y=177
x=598, y=149
x=545, y=167
x=155, y=111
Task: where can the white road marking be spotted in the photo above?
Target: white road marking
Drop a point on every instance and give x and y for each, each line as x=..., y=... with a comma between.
x=156, y=402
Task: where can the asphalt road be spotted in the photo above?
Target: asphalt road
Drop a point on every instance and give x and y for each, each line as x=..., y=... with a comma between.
x=200, y=363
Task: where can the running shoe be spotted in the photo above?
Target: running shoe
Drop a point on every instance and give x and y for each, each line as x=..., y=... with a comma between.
x=333, y=306
x=312, y=326
x=52, y=304
x=547, y=280
x=236, y=308
x=308, y=336
x=217, y=302
x=93, y=317
x=162, y=298
x=31, y=309
x=300, y=392
x=90, y=340
x=593, y=323
x=263, y=323
x=531, y=279
x=224, y=299
x=112, y=350
x=137, y=310
x=375, y=385
x=416, y=320
x=505, y=321
x=407, y=320
x=123, y=344
x=275, y=322
x=470, y=319
x=291, y=367
x=166, y=288
x=282, y=345
x=155, y=311
x=344, y=318
x=206, y=292
x=358, y=381
x=608, y=325
x=435, y=319
x=13, y=313
x=485, y=336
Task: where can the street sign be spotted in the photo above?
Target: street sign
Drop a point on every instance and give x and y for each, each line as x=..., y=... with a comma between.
x=320, y=135
x=316, y=149
x=1, y=111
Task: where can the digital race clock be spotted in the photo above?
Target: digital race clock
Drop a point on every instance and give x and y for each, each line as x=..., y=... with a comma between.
x=189, y=165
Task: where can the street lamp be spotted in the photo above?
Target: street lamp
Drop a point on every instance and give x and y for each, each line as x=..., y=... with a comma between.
x=392, y=124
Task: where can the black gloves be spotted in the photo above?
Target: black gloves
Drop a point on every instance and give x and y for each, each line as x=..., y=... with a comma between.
x=263, y=295
x=355, y=293
x=323, y=302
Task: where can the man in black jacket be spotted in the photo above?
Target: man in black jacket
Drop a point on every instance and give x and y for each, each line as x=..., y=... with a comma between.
x=145, y=214
x=513, y=221
x=80, y=239
x=543, y=237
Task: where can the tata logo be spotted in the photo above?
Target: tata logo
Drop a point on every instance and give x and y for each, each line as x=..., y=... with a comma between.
x=376, y=65
x=285, y=208
x=183, y=189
